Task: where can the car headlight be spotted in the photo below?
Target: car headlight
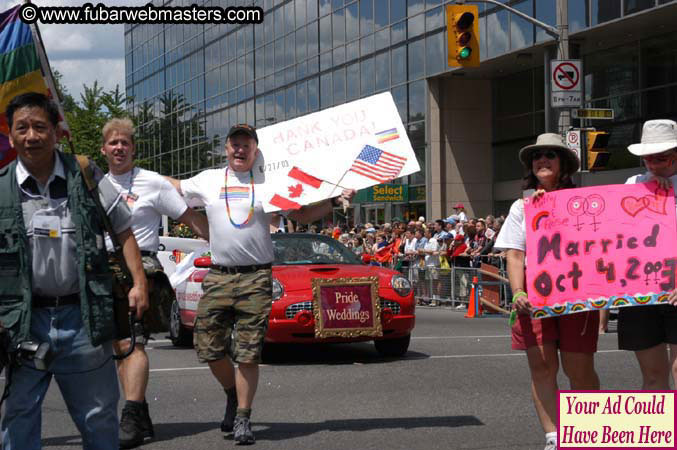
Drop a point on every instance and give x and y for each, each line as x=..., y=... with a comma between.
x=278, y=290
x=401, y=285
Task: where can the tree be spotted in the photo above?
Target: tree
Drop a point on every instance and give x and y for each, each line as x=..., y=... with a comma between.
x=67, y=101
x=177, y=130
x=86, y=122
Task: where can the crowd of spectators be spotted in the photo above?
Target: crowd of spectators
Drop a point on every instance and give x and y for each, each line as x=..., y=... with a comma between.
x=420, y=248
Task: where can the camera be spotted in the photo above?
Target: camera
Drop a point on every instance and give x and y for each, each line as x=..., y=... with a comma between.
x=34, y=351
x=25, y=351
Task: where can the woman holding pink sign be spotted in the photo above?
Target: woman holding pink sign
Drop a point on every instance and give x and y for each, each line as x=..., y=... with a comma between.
x=650, y=330
x=549, y=164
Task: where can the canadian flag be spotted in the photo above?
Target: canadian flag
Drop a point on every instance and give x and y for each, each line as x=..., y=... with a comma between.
x=301, y=183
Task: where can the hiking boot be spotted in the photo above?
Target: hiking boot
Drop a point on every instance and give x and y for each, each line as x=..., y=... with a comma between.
x=146, y=423
x=135, y=425
x=243, y=431
x=229, y=416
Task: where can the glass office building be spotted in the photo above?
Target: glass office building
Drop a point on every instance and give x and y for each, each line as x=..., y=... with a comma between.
x=189, y=83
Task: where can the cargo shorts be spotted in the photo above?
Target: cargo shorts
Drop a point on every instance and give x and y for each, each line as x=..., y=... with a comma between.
x=160, y=298
x=232, y=316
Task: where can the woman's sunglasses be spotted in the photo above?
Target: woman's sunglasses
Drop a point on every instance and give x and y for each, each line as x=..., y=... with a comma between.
x=538, y=154
x=660, y=159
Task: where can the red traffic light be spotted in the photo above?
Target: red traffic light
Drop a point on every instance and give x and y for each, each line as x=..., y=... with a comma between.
x=465, y=21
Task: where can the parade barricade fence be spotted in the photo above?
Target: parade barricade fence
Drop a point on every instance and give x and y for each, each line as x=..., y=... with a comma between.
x=453, y=287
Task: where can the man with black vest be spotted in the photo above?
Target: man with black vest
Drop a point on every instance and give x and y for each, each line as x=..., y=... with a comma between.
x=55, y=282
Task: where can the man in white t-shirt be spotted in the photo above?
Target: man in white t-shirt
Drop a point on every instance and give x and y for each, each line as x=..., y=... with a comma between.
x=149, y=196
x=650, y=331
x=238, y=288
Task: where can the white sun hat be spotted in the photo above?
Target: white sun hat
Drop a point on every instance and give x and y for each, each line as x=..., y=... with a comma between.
x=658, y=136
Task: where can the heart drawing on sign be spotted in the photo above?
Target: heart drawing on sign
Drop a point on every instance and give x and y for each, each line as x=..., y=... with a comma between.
x=654, y=203
x=633, y=205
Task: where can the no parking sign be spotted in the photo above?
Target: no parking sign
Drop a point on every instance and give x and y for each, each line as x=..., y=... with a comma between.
x=565, y=83
x=574, y=141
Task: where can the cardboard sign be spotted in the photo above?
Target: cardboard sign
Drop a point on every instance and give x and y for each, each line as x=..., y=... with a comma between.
x=347, y=307
x=314, y=157
x=600, y=247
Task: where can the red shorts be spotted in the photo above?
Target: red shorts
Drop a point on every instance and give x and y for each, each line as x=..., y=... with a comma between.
x=571, y=332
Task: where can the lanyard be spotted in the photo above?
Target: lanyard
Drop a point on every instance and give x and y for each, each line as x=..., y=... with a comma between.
x=251, y=206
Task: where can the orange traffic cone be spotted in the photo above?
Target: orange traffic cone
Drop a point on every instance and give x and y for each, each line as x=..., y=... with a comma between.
x=474, y=305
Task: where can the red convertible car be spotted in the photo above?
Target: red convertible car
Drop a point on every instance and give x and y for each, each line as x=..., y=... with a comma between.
x=298, y=259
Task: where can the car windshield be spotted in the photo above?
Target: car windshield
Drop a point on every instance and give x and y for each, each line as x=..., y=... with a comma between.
x=294, y=249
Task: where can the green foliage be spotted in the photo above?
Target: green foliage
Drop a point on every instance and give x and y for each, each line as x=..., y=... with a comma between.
x=87, y=117
x=177, y=125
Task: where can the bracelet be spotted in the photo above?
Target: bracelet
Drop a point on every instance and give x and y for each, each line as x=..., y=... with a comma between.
x=518, y=295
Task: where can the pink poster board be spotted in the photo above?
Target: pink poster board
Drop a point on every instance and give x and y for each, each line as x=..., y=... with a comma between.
x=600, y=247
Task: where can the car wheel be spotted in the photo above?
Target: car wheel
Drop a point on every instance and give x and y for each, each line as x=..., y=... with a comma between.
x=180, y=335
x=393, y=347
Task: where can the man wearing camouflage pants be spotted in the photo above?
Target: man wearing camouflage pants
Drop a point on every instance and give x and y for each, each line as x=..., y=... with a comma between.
x=238, y=288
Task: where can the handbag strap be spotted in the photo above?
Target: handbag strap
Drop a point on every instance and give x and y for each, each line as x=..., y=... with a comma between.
x=88, y=176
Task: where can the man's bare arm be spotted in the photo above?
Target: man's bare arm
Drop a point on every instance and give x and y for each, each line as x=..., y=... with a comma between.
x=138, y=295
x=197, y=222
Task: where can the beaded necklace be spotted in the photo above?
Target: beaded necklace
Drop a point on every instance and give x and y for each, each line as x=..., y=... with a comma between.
x=251, y=206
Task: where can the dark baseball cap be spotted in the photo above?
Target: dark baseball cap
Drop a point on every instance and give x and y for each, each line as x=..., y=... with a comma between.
x=243, y=128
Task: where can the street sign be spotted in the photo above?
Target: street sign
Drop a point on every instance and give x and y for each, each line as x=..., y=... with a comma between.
x=574, y=141
x=593, y=113
x=565, y=83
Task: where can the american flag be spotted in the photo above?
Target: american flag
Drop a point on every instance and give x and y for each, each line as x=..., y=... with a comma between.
x=378, y=165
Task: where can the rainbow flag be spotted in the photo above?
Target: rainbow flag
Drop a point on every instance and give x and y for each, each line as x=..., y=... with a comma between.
x=235, y=192
x=387, y=135
x=23, y=68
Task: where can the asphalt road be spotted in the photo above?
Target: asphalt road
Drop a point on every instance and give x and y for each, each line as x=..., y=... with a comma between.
x=459, y=387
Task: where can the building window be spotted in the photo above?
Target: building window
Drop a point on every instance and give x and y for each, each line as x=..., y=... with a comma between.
x=605, y=10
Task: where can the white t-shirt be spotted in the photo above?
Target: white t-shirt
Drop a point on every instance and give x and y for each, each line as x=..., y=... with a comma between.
x=232, y=246
x=462, y=217
x=150, y=196
x=432, y=260
x=410, y=245
x=644, y=177
x=513, y=233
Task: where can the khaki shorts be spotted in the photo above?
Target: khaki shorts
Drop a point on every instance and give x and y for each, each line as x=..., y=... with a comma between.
x=232, y=316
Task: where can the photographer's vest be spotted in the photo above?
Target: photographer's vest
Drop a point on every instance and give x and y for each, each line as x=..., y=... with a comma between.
x=96, y=301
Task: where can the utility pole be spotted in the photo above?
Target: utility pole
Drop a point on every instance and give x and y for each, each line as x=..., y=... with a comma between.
x=562, y=6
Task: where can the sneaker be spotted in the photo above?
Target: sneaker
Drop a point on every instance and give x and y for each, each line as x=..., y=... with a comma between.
x=550, y=446
x=243, y=431
x=229, y=416
x=135, y=425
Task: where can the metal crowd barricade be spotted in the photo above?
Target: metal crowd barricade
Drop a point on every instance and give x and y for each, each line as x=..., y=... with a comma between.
x=452, y=287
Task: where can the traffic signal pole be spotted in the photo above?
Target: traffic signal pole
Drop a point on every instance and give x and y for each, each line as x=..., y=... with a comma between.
x=562, y=6
x=561, y=35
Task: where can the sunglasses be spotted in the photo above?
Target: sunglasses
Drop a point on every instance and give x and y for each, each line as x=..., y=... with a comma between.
x=657, y=158
x=538, y=154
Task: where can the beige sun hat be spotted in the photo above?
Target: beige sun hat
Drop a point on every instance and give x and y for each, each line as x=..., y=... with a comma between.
x=658, y=136
x=553, y=141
